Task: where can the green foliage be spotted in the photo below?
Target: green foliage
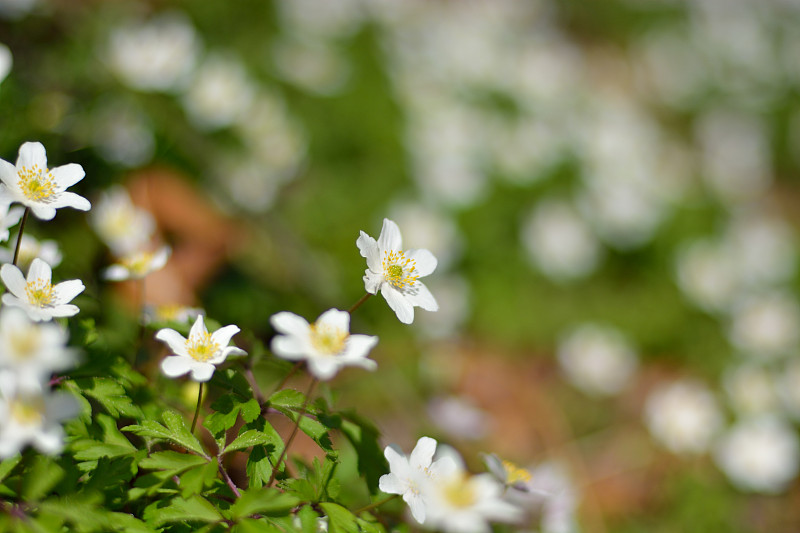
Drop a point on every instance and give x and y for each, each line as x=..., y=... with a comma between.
x=174, y=429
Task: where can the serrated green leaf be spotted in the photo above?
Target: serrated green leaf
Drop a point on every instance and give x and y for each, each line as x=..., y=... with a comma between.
x=194, y=509
x=250, y=438
x=171, y=460
x=175, y=430
x=40, y=478
x=7, y=465
x=252, y=525
x=269, y=502
x=196, y=480
x=309, y=519
x=110, y=394
x=287, y=398
x=340, y=520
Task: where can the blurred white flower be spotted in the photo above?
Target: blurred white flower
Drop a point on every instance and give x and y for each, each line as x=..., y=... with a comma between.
x=762, y=248
x=599, y=360
x=124, y=227
x=430, y=228
x=6, y=60
x=123, y=135
x=37, y=187
x=36, y=295
x=453, y=296
x=671, y=67
x=314, y=66
x=171, y=313
x=507, y=473
x=8, y=217
x=766, y=325
x=199, y=354
x=220, y=93
x=683, y=416
x=408, y=475
x=788, y=387
x=751, y=389
x=395, y=272
x=29, y=249
x=138, y=265
x=458, y=417
x=558, y=242
x=552, y=494
x=157, y=55
x=759, y=454
x=329, y=19
x=32, y=351
x=326, y=345
x=707, y=275
x=32, y=417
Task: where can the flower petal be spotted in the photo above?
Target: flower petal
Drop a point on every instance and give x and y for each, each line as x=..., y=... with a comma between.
x=417, y=506
x=290, y=324
x=223, y=335
x=67, y=175
x=67, y=290
x=390, y=484
x=116, y=273
x=422, y=455
x=40, y=211
x=398, y=303
x=173, y=339
x=62, y=310
x=13, y=279
x=372, y=281
x=335, y=319
x=198, y=328
x=369, y=250
x=289, y=347
x=8, y=172
x=30, y=154
x=39, y=269
x=426, y=261
x=70, y=199
x=174, y=366
x=420, y=296
x=390, y=238
x=358, y=346
x=202, y=371
x=323, y=368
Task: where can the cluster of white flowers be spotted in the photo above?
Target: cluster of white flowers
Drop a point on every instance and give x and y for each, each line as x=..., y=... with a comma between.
x=33, y=347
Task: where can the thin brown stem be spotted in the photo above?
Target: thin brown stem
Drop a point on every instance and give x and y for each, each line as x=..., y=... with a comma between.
x=248, y=374
x=19, y=235
x=197, y=409
x=376, y=504
x=228, y=479
x=300, y=415
x=358, y=303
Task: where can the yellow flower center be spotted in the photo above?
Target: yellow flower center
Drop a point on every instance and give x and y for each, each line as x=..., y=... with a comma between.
x=459, y=492
x=36, y=184
x=515, y=474
x=168, y=312
x=28, y=411
x=201, y=347
x=139, y=264
x=40, y=293
x=24, y=342
x=398, y=269
x=327, y=339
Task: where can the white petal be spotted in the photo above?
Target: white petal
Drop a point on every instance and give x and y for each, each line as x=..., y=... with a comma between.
x=70, y=199
x=30, y=154
x=290, y=324
x=323, y=368
x=49, y=440
x=289, y=347
x=402, y=307
x=420, y=296
x=398, y=463
x=40, y=211
x=202, y=371
x=175, y=341
x=39, y=270
x=8, y=173
x=390, y=238
x=13, y=279
x=67, y=290
x=426, y=261
x=422, y=455
x=223, y=335
x=372, y=281
x=116, y=273
x=358, y=346
x=198, y=328
x=390, y=484
x=417, y=506
x=67, y=175
x=174, y=366
x=62, y=310
x=230, y=351
x=336, y=319
x=369, y=250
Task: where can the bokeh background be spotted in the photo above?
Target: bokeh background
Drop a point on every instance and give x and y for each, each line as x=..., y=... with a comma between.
x=611, y=189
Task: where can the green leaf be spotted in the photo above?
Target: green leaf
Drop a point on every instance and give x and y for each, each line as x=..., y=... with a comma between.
x=270, y=502
x=287, y=399
x=251, y=437
x=175, y=431
x=227, y=409
x=364, y=438
x=340, y=520
x=196, y=480
x=252, y=525
x=290, y=402
x=40, y=478
x=110, y=395
x=7, y=465
x=309, y=519
x=171, y=460
x=194, y=509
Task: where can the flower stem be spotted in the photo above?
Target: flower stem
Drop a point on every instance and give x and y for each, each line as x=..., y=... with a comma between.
x=19, y=235
x=300, y=414
x=228, y=479
x=197, y=409
x=376, y=504
x=358, y=303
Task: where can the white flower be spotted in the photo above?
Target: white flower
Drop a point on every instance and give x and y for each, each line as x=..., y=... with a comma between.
x=30, y=350
x=408, y=475
x=396, y=272
x=137, y=265
x=200, y=353
x=8, y=217
x=683, y=416
x=29, y=249
x=459, y=503
x=597, y=359
x=36, y=295
x=507, y=472
x=220, y=93
x=751, y=389
x=552, y=490
x=766, y=325
x=5, y=61
x=32, y=417
x=124, y=227
x=170, y=313
x=326, y=345
x=41, y=189
x=760, y=454
x=458, y=417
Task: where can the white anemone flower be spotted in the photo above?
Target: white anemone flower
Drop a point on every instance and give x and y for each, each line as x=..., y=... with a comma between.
x=396, y=272
x=408, y=474
x=36, y=295
x=124, y=227
x=326, y=345
x=32, y=351
x=32, y=417
x=137, y=265
x=8, y=217
x=6, y=61
x=39, y=188
x=200, y=353
x=29, y=249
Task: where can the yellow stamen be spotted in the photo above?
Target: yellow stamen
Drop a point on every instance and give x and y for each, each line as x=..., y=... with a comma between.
x=139, y=263
x=201, y=347
x=40, y=293
x=515, y=474
x=28, y=412
x=24, y=342
x=398, y=269
x=460, y=492
x=36, y=184
x=328, y=339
